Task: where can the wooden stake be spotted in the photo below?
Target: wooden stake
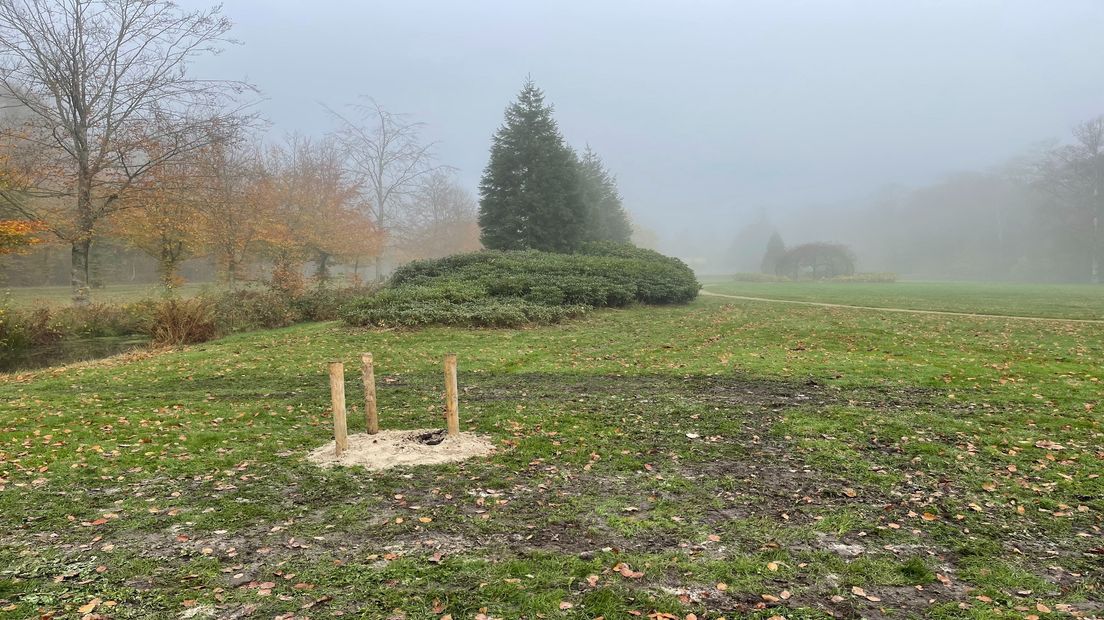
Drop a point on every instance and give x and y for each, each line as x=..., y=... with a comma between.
x=337, y=396
x=368, y=374
x=452, y=404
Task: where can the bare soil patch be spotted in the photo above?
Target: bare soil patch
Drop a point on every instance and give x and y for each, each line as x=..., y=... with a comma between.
x=391, y=448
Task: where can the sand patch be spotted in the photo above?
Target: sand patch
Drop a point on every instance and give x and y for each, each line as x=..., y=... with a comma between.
x=403, y=448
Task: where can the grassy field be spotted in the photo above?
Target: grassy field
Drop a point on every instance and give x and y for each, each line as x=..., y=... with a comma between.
x=723, y=459
x=1081, y=301
x=30, y=296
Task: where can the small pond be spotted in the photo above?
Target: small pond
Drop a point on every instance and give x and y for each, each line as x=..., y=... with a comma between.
x=68, y=351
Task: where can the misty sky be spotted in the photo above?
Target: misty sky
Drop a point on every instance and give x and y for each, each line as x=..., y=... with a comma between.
x=706, y=111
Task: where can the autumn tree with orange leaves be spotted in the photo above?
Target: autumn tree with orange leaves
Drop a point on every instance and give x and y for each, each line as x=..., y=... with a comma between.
x=93, y=77
x=160, y=214
x=234, y=204
x=18, y=235
x=318, y=212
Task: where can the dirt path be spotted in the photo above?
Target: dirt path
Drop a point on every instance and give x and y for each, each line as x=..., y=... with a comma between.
x=905, y=310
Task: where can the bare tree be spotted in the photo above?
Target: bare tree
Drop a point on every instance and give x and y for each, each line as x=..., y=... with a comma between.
x=99, y=79
x=385, y=151
x=1074, y=174
x=441, y=219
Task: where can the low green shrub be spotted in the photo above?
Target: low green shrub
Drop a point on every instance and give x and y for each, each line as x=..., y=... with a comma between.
x=508, y=289
x=172, y=321
x=13, y=336
x=183, y=321
x=246, y=310
x=600, y=275
x=325, y=304
x=36, y=327
x=103, y=320
x=486, y=312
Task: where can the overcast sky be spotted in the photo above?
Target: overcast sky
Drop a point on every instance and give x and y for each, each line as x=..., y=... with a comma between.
x=706, y=111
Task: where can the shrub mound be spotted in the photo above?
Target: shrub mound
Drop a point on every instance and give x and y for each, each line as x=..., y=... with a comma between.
x=514, y=288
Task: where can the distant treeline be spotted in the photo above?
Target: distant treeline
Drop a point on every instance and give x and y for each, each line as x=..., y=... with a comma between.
x=1037, y=218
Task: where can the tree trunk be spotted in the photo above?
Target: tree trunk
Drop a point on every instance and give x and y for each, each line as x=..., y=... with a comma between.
x=379, y=267
x=1095, y=250
x=1095, y=241
x=167, y=268
x=322, y=272
x=82, y=244
x=231, y=271
x=79, y=272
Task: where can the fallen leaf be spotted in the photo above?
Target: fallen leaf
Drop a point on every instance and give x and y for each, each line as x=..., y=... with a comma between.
x=89, y=606
x=627, y=571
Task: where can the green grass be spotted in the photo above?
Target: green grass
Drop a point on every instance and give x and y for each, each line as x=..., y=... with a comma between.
x=32, y=296
x=1078, y=301
x=749, y=459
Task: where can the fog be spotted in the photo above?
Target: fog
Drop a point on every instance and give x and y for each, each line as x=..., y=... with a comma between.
x=925, y=136
x=719, y=119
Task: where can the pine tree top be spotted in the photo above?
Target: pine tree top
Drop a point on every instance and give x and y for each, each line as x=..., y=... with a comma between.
x=528, y=111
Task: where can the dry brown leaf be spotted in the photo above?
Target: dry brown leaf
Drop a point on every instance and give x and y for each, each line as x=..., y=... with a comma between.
x=88, y=607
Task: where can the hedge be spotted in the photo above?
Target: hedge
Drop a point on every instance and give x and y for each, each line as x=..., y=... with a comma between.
x=512, y=288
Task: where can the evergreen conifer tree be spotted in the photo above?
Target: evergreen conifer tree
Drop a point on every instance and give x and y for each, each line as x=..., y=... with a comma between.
x=606, y=217
x=776, y=249
x=530, y=196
